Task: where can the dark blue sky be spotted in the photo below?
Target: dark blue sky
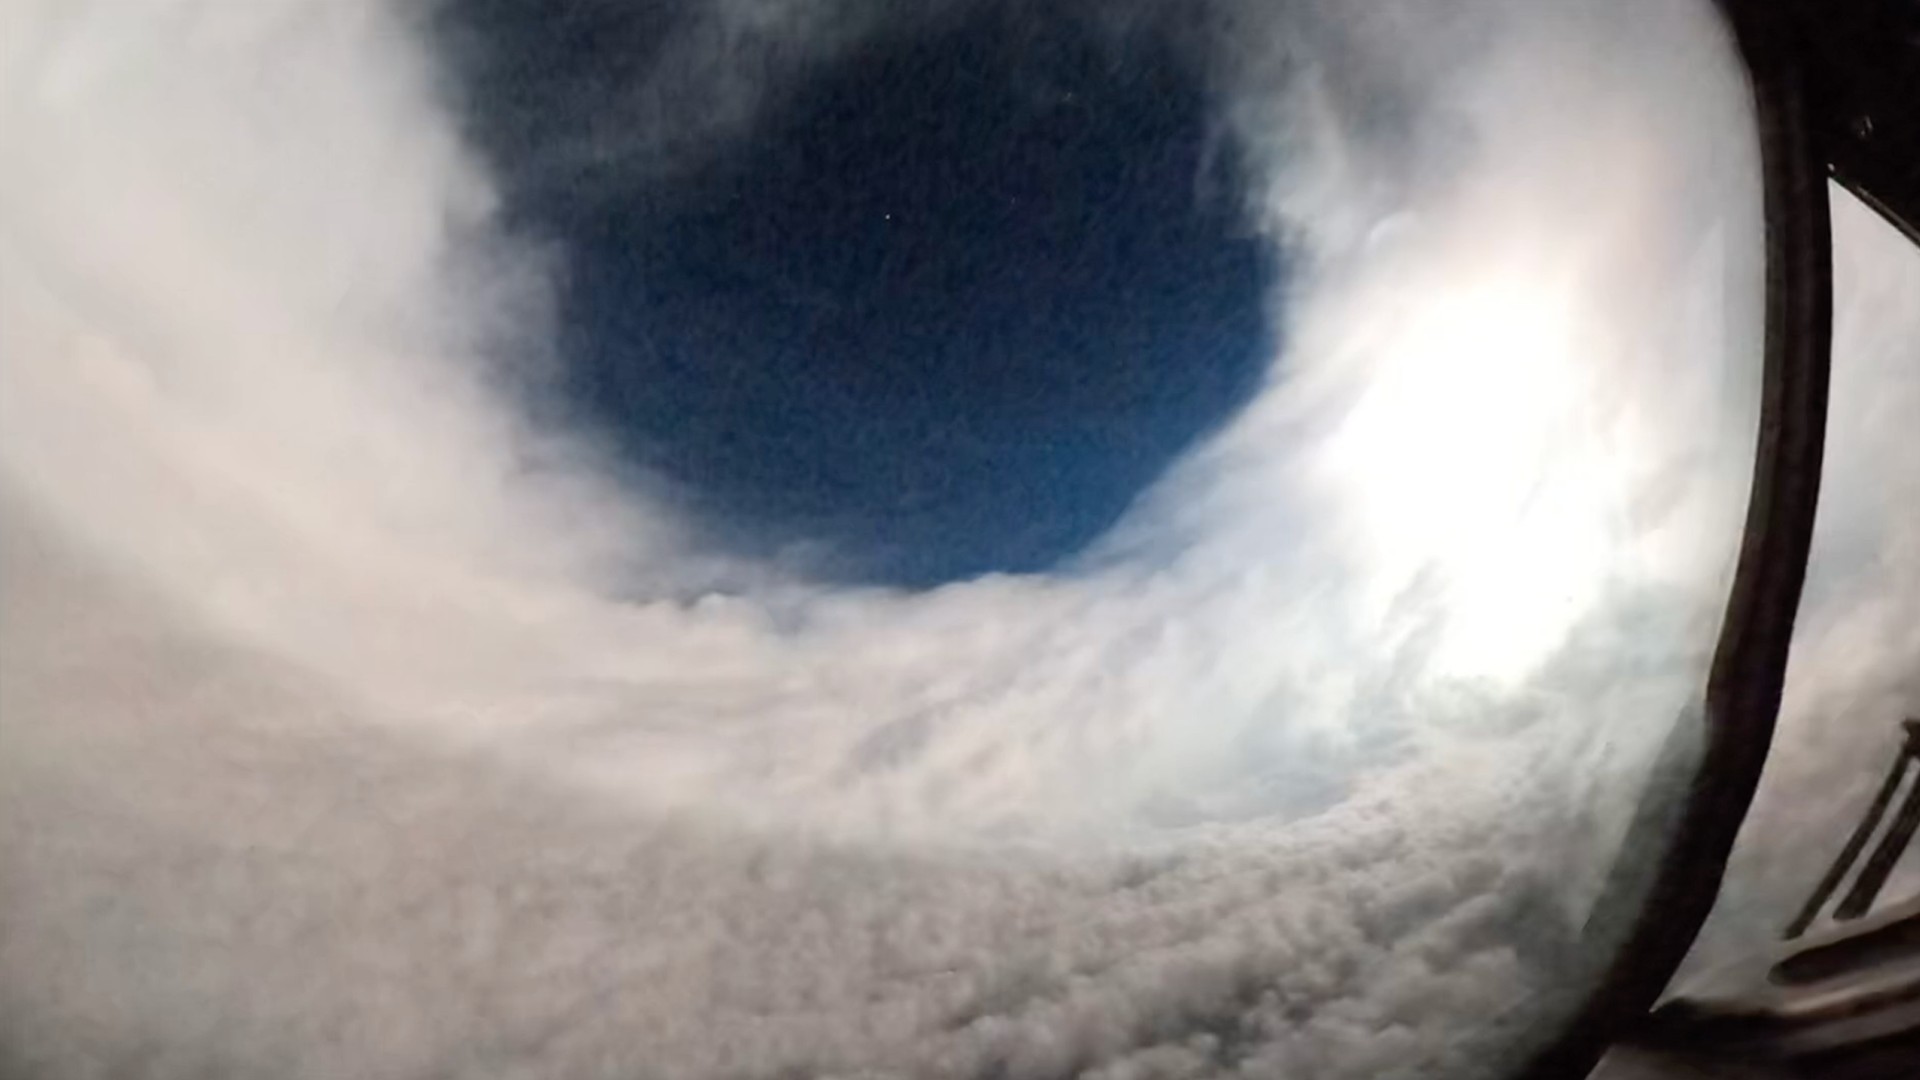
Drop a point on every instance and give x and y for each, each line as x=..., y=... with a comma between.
x=945, y=310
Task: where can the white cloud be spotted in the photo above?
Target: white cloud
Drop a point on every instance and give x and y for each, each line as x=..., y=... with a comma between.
x=356, y=727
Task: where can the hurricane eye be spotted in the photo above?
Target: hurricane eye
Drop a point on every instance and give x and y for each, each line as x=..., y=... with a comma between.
x=943, y=304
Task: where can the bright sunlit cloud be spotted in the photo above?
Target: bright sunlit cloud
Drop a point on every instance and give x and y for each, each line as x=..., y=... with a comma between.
x=1468, y=451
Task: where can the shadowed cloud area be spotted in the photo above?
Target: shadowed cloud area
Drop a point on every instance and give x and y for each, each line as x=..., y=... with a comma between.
x=943, y=307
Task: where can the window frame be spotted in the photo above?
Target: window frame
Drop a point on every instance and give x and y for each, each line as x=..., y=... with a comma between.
x=1677, y=891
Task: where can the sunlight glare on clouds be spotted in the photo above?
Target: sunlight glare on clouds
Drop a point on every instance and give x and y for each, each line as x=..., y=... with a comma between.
x=1436, y=477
